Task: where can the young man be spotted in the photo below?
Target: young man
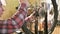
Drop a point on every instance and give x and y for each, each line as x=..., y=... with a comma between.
x=3, y=2
x=1, y=8
x=14, y=23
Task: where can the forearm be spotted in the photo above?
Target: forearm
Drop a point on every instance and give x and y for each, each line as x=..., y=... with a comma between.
x=29, y=17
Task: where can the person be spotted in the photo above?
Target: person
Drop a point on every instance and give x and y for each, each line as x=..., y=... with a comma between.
x=15, y=22
x=1, y=8
x=3, y=2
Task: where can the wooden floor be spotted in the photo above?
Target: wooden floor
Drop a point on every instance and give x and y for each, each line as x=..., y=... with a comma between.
x=57, y=30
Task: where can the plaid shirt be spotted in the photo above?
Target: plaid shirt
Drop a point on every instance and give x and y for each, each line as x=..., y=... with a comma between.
x=11, y=25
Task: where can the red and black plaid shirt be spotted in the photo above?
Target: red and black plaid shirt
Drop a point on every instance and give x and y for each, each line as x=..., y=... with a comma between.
x=11, y=25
